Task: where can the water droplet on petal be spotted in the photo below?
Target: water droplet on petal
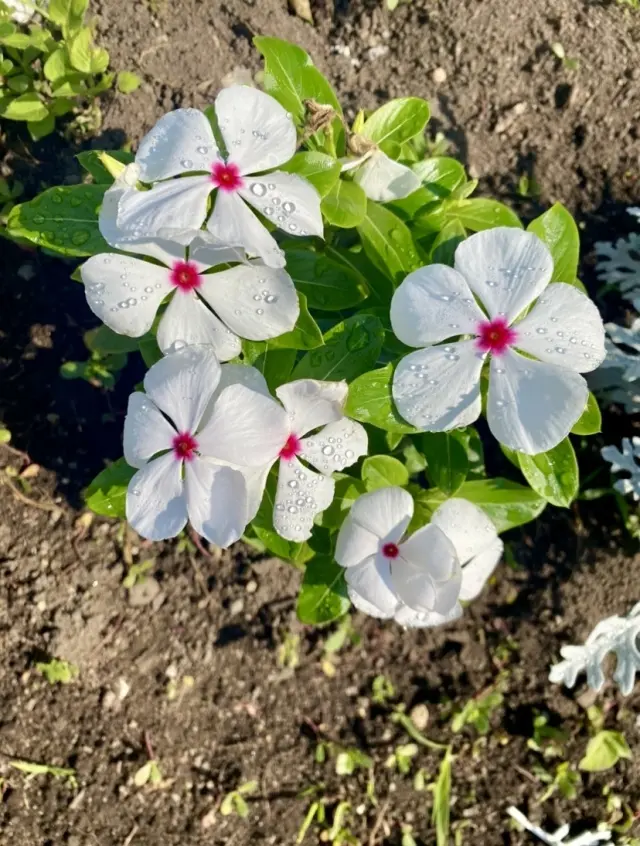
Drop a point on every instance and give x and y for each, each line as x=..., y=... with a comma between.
x=258, y=189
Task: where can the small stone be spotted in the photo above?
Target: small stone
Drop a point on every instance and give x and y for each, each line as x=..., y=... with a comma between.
x=122, y=688
x=420, y=716
x=109, y=700
x=251, y=586
x=237, y=606
x=439, y=76
x=208, y=820
x=377, y=52
x=144, y=593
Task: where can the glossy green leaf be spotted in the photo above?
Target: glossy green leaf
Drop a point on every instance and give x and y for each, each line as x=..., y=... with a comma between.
x=446, y=243
x=327, y=284
x=323, y=594
x=383, y=471
x=425, y=503
x=350, y=348
x=27, y=106
x=388, y=242
x=275, y=365
x=320, y=170
x=149, y=349
x=447, y=462
x=67, y=14
x=106, y=495
x=604, y=750
x=557, y=228
x=590, y=423
x=81, y=49
x=379, y=285
x=92, y=163
x=107, y=342
x=41, y=128
x=345, y=205
x=480, y=213
x=63, y=219
x=507, y=503
x=370, y=401
x=553, y=474
x=396, y=122
x=440, y=175
x=306, y=334
x=291, y=77
x=347, y=490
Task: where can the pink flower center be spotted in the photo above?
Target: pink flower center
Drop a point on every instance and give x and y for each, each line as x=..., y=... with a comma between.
x=184, y=446
x=390, y=550
x=184, y=275
x=495, y=336
x=226, y=176
x=291, y=448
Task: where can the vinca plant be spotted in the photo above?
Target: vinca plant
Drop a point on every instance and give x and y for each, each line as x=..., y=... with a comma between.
x=335, y=332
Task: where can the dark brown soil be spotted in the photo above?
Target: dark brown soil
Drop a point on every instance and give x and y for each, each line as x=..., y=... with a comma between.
x=220, y=621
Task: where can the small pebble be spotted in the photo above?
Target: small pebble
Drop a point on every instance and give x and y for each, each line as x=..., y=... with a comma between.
x=252, y=586
x=144, y=593
x=439, y=76
x=236, y=606
x=420, y=717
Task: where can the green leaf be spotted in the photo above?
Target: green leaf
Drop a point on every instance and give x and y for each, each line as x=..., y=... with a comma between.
x=63, y=219
x=388, y=242
x=149, y=349
x=347, y=490
x=396, y=122
x=446, y=243
x=99, y=60
x=128, y=82
x=19, y=83
x=591, y=421
x=481, y=213
x=370, y=401
x=553, y=474
x=604, y=750
x=383, y=471
x=68, y=14
x=326, y=283
x=447, y=462
x=558, y=230
x=440, y=175
x=291, y=77
x=380, y=286
x=40, y=128
x=323, y=594
x=81, y=50
x=320, y=170
x=345, y=205
x=106, y=495
x=25, y=107
x=506, y=503
x=92, y=163
x=107, y=342
x=441, y=811
x=275, y=365
x=305, y=335
x=350, y=348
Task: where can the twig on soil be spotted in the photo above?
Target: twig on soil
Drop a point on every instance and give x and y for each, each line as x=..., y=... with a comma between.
x=378, y=823
x=130, y=836
x=43, y=506
x=526, y=773
x=148, y=746
x=195, y=537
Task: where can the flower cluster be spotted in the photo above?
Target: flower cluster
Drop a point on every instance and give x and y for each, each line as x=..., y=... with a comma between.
x=301, y=392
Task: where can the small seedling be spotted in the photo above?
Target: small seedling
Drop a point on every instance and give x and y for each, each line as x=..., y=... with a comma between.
x=559, y=52
x=401, y=718
x=441, y=811
x=234, y=802
x=288, y=656
x=402, y=757
x=136, y=574
x=338, y=834
x=344, y=633
x=350, y=760
x=604, y=750
x=58, y=672
x=566, y=782
x=528, y=186
x=150, y=772
x=382, y=690
x=547, y=740
x=478, y=711
x=315, y=813
x=407, y=836
x=32, y=769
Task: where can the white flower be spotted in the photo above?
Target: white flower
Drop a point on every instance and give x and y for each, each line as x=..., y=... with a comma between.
x=263, y=433
x=22, y=12
x=626, y=461
x=247, y=301
x=535, y=399
x=382, y=179
x=559, y=837
x=418, y=580
x=165, y=432
x=613, y=634
x=258, y=135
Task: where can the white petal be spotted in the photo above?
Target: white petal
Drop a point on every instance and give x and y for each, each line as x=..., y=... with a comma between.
x=410, y=619
x=467, y=527
x=506, y=267
x=532, y=405
x=216, y=501
x=565, y=328
x=237, y=374
x=168, y=210
x=180, y=141
x=335, y=447
x=254, y=301
x=146, y=431
x=256, y=482
x=370, y=589
x=233, y=222
x=385, y=513
x=289, y=201
x=156, y=505
x=258, y=133
x=476, y=572
x=300, y=496
x=355, y=543
x=432, y=304
x=124, y=292
x=438, y=388
x=246, y=428
x=384, y=180
x=311, y=403
x=187, y=320
x=426, y=575
x=181, y=384
x=207, y=252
